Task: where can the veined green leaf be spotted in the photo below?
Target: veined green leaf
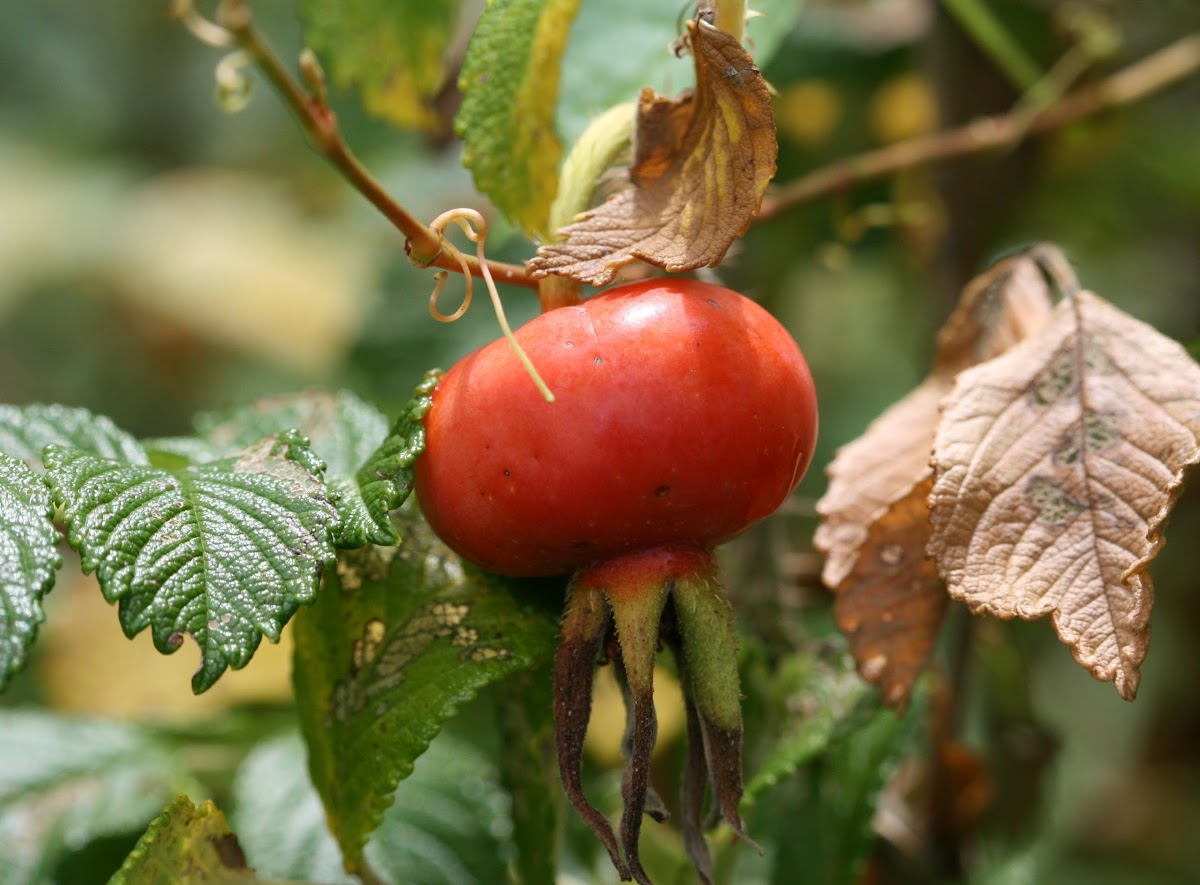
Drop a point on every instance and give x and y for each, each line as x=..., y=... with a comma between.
x=529, y=772
x=342, y=430
x=832, y=803
x=28, y=560
x=65, y=781
x=26, y=430
x=394, y=51
x=398, y=640
x=186, y=845
x=509, y=82
x=225, y=552
x=386, y=478
x=833, y=698
x=278, y=817
x=837, y=748
x=448, y=825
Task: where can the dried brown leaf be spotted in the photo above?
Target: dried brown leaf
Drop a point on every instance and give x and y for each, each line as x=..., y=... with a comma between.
x=1056, y=465
x=875, y=519
x=891, y=605
x=870, y=474
x=701, y=165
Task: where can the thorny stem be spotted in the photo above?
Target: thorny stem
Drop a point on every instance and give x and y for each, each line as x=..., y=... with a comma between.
x=1154, y=73
x=425, y=248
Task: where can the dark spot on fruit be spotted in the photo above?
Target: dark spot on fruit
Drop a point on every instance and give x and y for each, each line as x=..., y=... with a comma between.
x=506, y=473
x=597, y=360
x=570, y=344
x=662, y=491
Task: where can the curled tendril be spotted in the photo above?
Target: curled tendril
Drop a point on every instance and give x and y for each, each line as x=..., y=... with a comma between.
x=233, y=86
x=203, y=29
x=475, y=227
x=440, y=276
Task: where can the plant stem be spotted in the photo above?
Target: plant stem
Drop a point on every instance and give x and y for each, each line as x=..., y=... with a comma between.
x=320, y=124
x=731, y=17
x=1151, y=74
x=977, y=20
x=367, y=875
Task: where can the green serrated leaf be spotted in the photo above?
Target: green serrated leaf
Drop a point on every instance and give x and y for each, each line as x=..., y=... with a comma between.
x=509, y=82
x=26, y=430
x=386, y=478
x=225, y=552
x=529, y=772
x=28, y=560
x=836, y=810
x=399, y=639
x=394, y=51
x=279, y=818
x=592, y=83
x=837, y=748
x=186, y=845
x=342, y=429
x=831, y=698
x=65, y=781
x=448, y=825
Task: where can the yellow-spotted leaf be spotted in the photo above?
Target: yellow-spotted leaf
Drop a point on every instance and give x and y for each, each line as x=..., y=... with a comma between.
x=394, y=51
x=509, y=82
x=1056, y=466
x=700, y=169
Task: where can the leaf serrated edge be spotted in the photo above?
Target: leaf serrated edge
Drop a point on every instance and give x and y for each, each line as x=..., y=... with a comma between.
x=290, y=445
x=388, y=471
x=46, y=572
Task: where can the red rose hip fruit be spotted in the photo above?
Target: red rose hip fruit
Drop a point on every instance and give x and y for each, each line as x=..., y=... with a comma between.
x=683, y=414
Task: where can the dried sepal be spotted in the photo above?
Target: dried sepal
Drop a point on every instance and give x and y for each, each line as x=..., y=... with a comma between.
x=585, y=624
x=701, y=166
x=628, y=606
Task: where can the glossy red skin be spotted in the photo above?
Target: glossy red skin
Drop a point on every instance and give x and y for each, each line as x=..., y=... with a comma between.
x=684, y=414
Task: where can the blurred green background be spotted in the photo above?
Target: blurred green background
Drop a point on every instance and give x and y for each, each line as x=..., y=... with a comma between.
x=159, y=257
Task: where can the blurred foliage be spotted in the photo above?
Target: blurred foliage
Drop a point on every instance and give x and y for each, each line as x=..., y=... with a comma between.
x=160, y=259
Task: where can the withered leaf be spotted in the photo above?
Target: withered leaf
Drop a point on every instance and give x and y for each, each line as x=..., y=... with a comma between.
x=701, y=166
x=875, y=518
x=891, y=605
x=1056, y=465
x=867, y=476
